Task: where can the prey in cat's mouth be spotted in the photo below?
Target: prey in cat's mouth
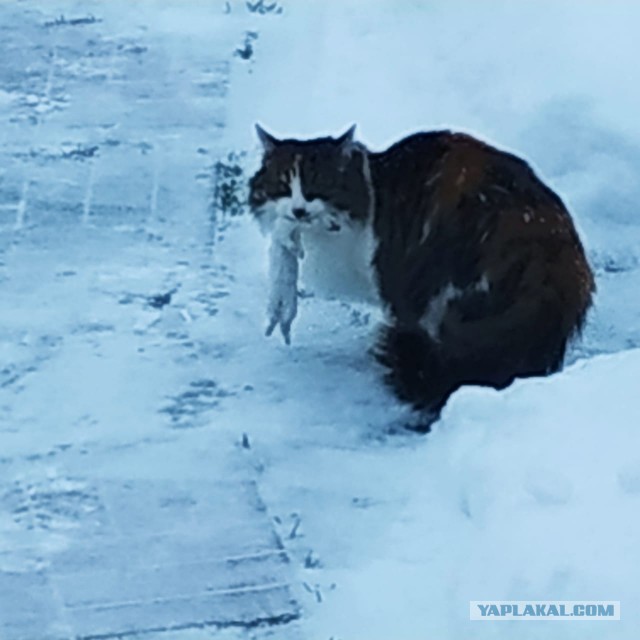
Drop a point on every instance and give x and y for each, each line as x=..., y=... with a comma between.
x=306, y=220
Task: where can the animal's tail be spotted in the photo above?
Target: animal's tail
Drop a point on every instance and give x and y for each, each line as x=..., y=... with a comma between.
x=415, y=370
x=490, y=351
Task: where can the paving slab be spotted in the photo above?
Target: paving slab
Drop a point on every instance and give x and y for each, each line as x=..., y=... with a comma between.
x=125, y=509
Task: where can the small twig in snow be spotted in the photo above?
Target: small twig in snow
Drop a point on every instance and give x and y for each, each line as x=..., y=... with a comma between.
x=294, y=530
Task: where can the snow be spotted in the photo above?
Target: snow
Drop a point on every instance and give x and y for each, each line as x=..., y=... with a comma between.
x=527, y=493
x=531, y=492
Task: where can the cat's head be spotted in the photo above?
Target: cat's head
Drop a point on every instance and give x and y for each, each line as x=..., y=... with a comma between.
x=321, y=183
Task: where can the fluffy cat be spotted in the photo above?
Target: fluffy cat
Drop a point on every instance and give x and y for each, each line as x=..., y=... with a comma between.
x=475, y=261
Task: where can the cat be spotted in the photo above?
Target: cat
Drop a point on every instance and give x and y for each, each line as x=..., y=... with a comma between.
x=474, y=260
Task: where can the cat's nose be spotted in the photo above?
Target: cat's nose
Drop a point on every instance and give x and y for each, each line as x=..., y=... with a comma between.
x=299, y=213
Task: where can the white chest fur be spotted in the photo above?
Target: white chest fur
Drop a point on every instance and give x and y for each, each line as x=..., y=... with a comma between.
x=338, y=263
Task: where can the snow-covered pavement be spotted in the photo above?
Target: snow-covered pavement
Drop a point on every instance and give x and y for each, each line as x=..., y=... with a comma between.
x=166, y=470
x=123, y=507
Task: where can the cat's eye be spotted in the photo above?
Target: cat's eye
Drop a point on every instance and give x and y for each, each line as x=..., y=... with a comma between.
x=283, y=187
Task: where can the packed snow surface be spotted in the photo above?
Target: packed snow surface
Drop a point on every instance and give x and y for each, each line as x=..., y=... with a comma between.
x=529, y=493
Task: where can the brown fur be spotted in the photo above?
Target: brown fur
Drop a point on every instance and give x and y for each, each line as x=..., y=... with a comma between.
x=489, y=216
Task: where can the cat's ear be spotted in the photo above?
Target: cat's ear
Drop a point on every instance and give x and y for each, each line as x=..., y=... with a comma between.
x=346, y=139
x=268, y=142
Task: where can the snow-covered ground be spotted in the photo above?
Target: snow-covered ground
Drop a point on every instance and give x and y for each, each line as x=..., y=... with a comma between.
x=531, y=493
x=123, y=507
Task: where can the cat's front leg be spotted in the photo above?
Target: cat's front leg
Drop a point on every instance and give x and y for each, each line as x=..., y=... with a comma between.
x=284, y=253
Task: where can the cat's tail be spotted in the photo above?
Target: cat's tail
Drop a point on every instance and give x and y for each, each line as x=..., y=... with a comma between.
x=416, y=372
x=524, y=340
